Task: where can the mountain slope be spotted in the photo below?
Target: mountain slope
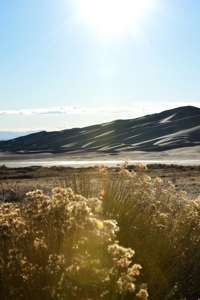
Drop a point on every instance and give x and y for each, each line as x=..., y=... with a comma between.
x=175, y=128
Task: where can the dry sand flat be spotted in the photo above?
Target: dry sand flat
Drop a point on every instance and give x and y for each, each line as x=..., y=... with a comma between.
x=184, y=156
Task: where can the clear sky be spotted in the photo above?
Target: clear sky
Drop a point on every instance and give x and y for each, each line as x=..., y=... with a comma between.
x=73, y=63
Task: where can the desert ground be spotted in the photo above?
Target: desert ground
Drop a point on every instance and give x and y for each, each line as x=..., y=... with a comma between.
x=22, y=179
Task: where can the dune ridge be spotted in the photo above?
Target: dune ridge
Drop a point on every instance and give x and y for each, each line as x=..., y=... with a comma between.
x=168, y=130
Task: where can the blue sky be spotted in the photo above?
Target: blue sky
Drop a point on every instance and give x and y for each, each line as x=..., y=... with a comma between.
x=60, y=68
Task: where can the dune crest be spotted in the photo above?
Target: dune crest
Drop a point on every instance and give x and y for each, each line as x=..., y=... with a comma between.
x=168, y=130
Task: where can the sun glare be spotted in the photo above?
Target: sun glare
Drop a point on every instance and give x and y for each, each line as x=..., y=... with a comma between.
x=113, y=16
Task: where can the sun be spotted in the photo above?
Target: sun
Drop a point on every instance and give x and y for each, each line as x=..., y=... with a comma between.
x=113, y=16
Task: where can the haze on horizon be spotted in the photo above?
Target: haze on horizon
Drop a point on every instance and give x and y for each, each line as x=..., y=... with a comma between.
x=74, y=63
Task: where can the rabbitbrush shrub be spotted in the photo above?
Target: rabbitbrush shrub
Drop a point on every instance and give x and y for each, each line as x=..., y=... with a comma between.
x=60, y=247
x=156, y=221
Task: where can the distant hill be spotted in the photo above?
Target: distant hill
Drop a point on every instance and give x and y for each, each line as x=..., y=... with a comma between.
x=8, y=135
x=170, y=129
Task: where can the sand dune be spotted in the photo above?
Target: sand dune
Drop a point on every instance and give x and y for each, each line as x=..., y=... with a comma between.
x=168, y=130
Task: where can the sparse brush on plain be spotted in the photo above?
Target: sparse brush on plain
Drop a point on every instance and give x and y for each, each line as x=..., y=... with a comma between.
x=68, y=245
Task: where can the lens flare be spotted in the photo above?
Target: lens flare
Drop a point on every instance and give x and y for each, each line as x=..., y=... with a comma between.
x=112, y=16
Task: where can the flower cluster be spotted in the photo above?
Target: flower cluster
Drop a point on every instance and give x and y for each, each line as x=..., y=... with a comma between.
x=59, y=247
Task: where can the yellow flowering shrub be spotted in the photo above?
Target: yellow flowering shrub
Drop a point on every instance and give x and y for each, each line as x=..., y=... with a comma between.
x=68, y=245
x=155, y=220
x=60, y=247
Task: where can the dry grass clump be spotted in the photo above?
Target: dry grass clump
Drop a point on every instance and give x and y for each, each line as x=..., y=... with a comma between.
x=60, y=247
x=157, y=222
x=12, y=192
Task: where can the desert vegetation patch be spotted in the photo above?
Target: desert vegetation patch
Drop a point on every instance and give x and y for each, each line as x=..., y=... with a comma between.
x=101, y=234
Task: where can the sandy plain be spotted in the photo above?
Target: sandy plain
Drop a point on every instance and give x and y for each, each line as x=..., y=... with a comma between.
x=16, y=173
